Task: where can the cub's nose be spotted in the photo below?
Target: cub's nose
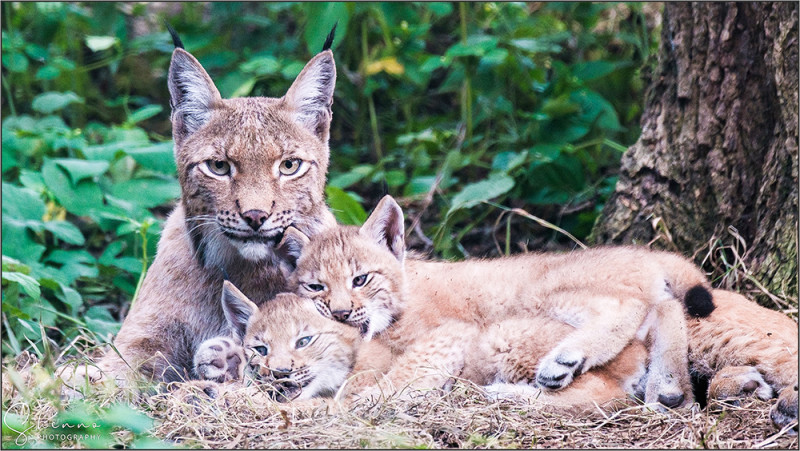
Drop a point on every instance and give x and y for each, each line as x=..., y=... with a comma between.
x=255, y=218
x=280, y=373
x=341, y=315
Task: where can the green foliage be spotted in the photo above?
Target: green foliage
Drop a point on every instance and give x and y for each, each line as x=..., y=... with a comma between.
x=82, y=423
x=472, y=105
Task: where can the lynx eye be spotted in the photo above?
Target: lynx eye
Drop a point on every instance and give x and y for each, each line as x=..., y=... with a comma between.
x=219, y=167
x=261, y=350
x=290, y=167
x=359, y=281
x=303, y=342
x=315, y=287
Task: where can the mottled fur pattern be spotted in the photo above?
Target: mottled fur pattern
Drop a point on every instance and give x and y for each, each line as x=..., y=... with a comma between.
x=248, y=168
x=287, y=344
x=359, y=276
x=742, y=346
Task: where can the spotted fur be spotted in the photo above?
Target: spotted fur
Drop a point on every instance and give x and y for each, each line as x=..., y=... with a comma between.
x=248, y=169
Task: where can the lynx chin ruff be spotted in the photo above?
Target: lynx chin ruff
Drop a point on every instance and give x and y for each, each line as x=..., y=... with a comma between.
x=248, y=168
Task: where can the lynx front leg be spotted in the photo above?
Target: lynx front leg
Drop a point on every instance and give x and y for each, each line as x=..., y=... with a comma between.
x=604, y=325
x=668, y=381
x=219, y=359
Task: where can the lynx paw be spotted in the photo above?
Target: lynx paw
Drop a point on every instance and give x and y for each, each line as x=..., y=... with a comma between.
x=738, y=382
x=219, y=359
x=665, y=391
x=558, y=368
x=784, y=411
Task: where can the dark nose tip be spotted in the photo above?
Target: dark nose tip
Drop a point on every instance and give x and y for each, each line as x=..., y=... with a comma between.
x=671, y=401
x=279, y=373
x=255, y=218
x=341, y=315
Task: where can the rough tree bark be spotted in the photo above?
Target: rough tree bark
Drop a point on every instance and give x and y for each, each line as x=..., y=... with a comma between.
x=719, y=143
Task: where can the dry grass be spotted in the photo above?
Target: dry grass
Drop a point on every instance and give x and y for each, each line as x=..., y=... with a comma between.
x=462, y=418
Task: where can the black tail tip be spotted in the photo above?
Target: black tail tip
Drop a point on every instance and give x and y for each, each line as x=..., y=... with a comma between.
x=329, y=40
x=699, y=302
x=176, y=40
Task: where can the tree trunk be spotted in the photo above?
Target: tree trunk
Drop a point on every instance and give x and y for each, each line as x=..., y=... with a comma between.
x=715, y=171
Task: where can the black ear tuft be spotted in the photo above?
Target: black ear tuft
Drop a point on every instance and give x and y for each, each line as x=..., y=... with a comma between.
x=329, y=40
x=698, y=301
x=176, y=40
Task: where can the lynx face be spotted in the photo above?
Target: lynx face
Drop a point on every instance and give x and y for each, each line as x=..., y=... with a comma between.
x=250, y=167
x=290, y=345
x=353, y=275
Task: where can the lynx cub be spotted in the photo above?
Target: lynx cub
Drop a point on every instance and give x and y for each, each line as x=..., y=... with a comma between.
x=303, y=355
x=609, y=296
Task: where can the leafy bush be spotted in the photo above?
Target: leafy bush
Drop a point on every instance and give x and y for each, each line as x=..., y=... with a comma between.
x=460, y=109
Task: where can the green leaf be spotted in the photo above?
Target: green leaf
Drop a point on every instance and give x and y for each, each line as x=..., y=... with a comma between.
x=262, y=65
x=100, y=321
x=99, y=43
x=157, y=157
x=49, y=102
x=81, y=169
x=21, y=203
x=79, y=199
x=350, y=177
x=48, y=73
x=29, y=284
x=346, y=209
x=322, y=16
x=507, y=161
x=15, y=61
x=66, y=231
x=592, y=70
x=147, y=192
x=71, y=298
x=17, y=243
x=475, y=193
x=536, y=45
x=121, y=415
x=145, y=112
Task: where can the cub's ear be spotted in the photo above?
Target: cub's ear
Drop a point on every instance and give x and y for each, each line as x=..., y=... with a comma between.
x=237, y=308
x=310, y=97
x=192, y=94
x=291, y=246
x=385, y=226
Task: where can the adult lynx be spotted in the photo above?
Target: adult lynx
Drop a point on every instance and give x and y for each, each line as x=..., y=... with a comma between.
x=248, y=168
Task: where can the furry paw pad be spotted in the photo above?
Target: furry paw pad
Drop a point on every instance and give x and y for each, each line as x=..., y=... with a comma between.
x=739, y=382
x=784, y=411
x=558, y=369
x=219, y=359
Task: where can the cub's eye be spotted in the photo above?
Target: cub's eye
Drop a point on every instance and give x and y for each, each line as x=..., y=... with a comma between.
x=359, y=280
x=261, y=350
x=218, y=167
x=315, y=287
x=303, y=342
x=290, y=167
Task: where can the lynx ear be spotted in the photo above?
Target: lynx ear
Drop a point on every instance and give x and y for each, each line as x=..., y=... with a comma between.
x=237, y=308
x=385, y=226
x=192, y=94
x=292, y=244
x=310, y=97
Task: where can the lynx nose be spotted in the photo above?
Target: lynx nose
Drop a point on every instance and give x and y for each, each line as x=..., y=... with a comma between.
x=255, y=218
x=341, y=315
x=280, y=373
